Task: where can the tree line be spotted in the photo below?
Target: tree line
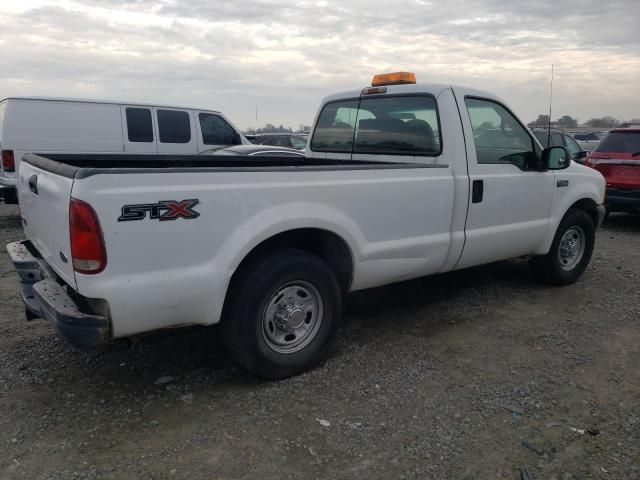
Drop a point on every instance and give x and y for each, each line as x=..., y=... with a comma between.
x=568, y=121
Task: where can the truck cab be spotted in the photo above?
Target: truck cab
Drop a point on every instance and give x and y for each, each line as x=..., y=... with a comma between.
x=505, y=196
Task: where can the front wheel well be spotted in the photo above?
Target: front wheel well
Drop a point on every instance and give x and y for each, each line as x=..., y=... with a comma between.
x=589, y=206
x=323, y=243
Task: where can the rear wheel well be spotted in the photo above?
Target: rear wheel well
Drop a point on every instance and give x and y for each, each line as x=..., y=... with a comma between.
x=323, y=243
x=588, y=206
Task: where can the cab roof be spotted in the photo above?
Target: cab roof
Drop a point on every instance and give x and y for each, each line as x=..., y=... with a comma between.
x=434, y=89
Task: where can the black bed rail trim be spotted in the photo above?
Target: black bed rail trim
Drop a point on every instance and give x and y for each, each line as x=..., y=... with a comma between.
x=49, y=165
x=83, y=166
x=89, y=172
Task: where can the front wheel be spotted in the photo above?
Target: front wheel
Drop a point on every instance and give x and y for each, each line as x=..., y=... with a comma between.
x=570, y=251
x=283, y=314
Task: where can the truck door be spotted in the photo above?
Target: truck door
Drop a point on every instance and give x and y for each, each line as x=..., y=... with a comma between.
x=509, y=200
x=138, y=129
x=400, y=128
x=175, y=131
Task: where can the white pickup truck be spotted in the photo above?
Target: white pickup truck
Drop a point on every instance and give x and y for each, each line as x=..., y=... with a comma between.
x=400, y=180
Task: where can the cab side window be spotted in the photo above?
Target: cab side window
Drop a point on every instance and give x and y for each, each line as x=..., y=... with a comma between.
x=216, y=131
x=174, y=126
x=499, y=137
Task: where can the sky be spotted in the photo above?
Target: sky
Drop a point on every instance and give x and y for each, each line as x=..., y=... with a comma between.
x=281, y=58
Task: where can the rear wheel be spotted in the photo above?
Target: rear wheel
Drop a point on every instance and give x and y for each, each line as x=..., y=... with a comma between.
x=570, y=251
x=283, y=314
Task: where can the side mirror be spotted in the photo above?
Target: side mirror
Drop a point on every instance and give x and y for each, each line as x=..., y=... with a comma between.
x=555, y=158
x=581, y=154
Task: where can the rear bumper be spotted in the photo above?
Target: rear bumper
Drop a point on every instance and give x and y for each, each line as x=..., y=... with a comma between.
x=619, y=199
x=8, y=182
x=44, y=297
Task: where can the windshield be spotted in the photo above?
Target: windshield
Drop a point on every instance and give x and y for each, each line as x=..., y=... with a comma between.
x=620, y=142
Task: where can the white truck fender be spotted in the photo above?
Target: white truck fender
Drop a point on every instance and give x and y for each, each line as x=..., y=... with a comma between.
x=282, y=218
x=578, y=190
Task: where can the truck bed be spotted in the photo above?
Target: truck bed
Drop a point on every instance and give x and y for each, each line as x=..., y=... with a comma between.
x=86, y=165
x=377, y=210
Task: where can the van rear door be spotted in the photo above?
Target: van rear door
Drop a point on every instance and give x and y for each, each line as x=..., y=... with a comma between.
x=44, y=206
x=138, y=129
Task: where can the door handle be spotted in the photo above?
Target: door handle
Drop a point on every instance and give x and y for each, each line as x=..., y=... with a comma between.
x=477, y=191
x=33, y=184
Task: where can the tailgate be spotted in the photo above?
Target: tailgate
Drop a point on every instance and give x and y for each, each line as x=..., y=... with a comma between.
x=44, y=206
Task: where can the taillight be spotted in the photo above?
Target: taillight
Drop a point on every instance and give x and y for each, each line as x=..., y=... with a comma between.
x=8, y=161
x=87, y=244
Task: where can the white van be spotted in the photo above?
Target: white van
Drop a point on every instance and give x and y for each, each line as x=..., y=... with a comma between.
x=53, y=125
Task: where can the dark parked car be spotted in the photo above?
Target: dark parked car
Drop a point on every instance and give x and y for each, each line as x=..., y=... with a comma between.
x=289, y=140
x=560, y=138
x=584, y=137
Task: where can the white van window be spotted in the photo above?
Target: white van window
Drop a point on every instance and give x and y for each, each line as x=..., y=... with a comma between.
x=174, y=126
x=139, y=127
x=216, y=131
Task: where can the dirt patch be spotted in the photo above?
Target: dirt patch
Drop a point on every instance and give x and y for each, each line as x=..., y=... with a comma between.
x=476, y=374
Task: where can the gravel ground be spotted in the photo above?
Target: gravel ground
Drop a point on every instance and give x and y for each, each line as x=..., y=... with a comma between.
x=479, y=374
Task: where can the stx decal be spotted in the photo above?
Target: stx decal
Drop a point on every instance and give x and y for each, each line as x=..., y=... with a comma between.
x=163, y=210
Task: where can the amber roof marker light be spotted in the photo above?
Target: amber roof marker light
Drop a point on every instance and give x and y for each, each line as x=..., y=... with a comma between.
x=395, y=78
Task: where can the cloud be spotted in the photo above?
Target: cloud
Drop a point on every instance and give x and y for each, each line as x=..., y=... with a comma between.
x=283, y=57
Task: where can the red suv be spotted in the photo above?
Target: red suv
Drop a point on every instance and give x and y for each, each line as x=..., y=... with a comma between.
x=617, y=158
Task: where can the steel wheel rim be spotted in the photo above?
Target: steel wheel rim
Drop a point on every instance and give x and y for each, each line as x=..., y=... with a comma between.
x=571, y=248
x=292, y=317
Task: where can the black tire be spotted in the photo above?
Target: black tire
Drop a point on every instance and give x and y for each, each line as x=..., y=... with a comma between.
x=10, y=197
x=256, y=289
x=549, y=268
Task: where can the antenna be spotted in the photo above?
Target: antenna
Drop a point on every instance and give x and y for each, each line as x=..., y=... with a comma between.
x=550, y=103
